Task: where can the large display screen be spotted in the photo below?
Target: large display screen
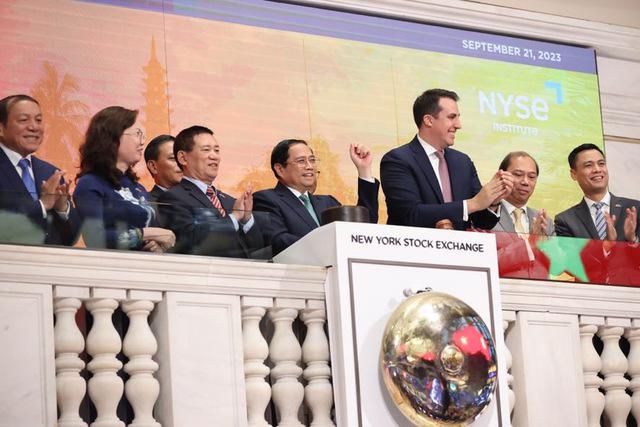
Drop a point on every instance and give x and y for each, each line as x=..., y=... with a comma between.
x=257, y=72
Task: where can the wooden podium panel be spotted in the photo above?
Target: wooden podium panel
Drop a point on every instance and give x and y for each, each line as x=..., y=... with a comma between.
x=370, y=266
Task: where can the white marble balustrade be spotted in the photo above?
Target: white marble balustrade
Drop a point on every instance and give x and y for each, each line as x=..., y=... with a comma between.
x=545, y=350
x=196, y=350
x=194, y=346
x=103, y=344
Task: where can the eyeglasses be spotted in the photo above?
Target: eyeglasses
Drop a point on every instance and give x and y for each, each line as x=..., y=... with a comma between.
x=138, y=133
x=302, y=161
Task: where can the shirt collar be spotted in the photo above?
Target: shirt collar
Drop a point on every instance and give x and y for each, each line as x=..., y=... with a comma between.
x=296, y=192
x=14, y=157
x=510, y=208
x=606, y=200
x=201, y=185
x=428, y=148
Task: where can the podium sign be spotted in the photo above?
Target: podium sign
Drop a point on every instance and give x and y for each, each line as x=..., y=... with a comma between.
x=370, y=266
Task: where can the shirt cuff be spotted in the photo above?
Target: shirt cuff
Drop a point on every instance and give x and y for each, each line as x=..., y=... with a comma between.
x=65, y=214
x=465, y=211
x=246, y=227
x=44, y=211
x=370, y=179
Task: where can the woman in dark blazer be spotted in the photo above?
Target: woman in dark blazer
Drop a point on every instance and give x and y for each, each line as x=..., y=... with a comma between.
x=112, y=204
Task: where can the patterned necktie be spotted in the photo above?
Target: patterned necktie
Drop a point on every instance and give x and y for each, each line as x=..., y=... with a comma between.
x=211, y=194
x=601, y=224
x=307, y=204
x=443, y=171
x=518, y=223
x=29, y=183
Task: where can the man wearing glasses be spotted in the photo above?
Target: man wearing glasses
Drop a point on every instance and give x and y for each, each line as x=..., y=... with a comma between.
x=293, y=208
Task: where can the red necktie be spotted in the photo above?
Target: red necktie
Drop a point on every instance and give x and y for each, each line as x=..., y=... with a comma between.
x=443, y=171
x=211, y=193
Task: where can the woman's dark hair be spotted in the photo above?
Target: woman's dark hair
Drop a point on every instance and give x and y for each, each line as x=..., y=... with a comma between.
x=99, y=152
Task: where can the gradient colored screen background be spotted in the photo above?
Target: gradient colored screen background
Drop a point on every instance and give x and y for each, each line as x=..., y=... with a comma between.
x=257, y=72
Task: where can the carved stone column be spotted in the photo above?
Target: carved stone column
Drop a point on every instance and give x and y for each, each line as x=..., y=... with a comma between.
x=256, y=350
x=285, y=352
x=69, y=343
x=103, y=344
x=139, y=345
x=617, y=403
x=633, y=336
x=591, y=365
x=315, y=353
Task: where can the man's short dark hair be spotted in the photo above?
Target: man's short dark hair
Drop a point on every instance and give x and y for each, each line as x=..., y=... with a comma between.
x=573, y=155
x=504, y=165
x=7, y=102
x=280, y=153
x=153, y=148
x=185, y=140
x=429, y=103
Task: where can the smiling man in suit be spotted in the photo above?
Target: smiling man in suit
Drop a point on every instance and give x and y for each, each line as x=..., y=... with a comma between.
x=515, y=215
x=426, y=181
x=520, y=226
x=205, y=220
x=600, y=215
x=34, y=198
x=293, y=209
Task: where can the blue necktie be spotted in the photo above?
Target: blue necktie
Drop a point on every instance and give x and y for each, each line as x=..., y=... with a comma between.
x=601, y=224
x=307, y=204
x=29, y=184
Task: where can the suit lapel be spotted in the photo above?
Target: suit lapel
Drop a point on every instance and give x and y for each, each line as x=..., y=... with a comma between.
x=616, y=209
x=195, y=192
x=12, y=181
x=505, y=221
x=226, y=201
x=296, y=206
x=584, y=216
x=427, y=169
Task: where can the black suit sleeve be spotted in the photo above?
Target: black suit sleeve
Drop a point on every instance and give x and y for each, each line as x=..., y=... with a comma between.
x=561, y=226
x=368, y=197
x=197, y=230
x=273, y=224
x=484, y=218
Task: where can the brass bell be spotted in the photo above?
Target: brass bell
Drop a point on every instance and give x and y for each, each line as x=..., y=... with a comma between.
x=438, y=360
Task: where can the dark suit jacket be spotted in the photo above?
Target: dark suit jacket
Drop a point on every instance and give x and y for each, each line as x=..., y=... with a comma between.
x=576, y=221
x=199, y=227
x=414, y=197
x=289, y=220
x=21, y=219
x=155, y=194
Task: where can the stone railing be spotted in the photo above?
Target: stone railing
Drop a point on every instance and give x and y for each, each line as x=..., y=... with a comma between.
x=196, y=339
x=171, y=340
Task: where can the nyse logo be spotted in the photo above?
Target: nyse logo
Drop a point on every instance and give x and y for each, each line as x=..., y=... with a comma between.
x=521, y=106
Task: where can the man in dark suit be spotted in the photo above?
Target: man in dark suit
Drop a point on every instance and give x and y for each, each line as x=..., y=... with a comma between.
x=600, y=215
x=161, y=163
x=426, y=181
x=207, y=221
x=293, y=208
x=521, y=226
x=34, y=198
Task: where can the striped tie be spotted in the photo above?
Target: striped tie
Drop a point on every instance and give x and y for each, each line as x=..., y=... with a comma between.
x=211, y=193
x=601, y=224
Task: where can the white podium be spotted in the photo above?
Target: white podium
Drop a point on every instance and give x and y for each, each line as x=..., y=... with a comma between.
x=369, y=267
